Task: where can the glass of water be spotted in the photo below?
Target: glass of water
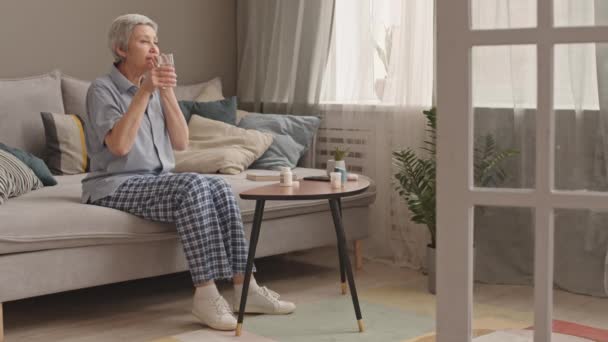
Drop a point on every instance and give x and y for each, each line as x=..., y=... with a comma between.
x=165, y=59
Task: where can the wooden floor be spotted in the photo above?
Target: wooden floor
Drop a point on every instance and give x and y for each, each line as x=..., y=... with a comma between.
x=152, y=308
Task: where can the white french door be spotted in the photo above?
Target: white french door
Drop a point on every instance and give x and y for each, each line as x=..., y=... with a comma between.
x=457, y=196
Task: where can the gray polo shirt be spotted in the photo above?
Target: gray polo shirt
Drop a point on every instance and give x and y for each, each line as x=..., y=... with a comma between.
x=108, y=98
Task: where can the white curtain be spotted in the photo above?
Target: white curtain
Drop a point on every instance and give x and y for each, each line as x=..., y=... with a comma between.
x=324, y=57
x=378, y=80
x=505, y=83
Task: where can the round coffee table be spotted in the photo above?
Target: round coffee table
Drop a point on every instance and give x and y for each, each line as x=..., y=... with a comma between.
x=306, y=190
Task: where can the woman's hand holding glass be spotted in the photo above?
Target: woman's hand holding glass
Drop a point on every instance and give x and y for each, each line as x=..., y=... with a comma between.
x=163, y=76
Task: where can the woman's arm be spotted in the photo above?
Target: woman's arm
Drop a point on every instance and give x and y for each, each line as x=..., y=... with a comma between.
x=121, y=137
x=174, y=119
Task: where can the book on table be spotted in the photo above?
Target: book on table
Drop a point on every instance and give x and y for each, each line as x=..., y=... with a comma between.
x=266, y=176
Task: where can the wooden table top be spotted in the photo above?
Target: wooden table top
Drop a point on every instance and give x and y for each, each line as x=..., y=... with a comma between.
x=306, y=190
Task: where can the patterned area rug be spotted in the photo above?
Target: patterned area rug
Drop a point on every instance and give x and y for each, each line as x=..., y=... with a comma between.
x=330, y=320
x=562, y=332
x=389, y=314
x=574, y=329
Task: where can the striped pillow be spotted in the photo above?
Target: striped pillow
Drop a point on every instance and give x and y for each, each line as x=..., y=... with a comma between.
x=15, y=177
x=66, y=150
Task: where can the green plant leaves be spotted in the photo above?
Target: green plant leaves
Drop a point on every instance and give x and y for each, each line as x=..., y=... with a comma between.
x=488, y=161
x=415, y=177
x=340, y=153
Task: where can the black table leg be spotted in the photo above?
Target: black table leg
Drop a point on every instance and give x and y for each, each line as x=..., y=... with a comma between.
x=340, y=256
x=335, y=205
x=253, y=242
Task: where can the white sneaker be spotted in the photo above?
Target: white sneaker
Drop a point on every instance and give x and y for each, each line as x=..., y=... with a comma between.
x=263, y=300
x=214, y=312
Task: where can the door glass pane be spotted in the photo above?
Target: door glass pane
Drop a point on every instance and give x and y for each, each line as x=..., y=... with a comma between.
x=580, y=303
x=581, y=117
x=504, y=265
x=502, y=14
x=580, y=12
x=504, y=106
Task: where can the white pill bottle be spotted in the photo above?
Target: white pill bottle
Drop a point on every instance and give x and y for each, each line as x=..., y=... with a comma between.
x=286, y=176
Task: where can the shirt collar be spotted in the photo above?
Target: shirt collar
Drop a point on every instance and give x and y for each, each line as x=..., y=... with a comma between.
x=121, y=82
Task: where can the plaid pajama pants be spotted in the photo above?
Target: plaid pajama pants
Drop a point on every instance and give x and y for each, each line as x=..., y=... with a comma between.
x=205, y=212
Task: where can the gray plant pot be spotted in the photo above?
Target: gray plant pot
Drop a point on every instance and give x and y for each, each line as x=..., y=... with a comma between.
x=430, y=265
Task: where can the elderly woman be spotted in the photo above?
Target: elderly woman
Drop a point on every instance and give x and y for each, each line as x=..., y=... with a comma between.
x=133, y=124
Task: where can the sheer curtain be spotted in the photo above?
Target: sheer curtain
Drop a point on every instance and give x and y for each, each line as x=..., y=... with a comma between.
x=378, y=80
x=282, y=53
x=601, y=153
x=367, y=68
x=581, y=151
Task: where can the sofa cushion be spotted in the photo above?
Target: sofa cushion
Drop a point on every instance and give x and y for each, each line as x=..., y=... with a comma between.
x=240, y=114
x=66, y=150
x=215, y=146
x=293, y=136
x=74, y=93
x=211, y=91
x=21, y=101
x=16, y=178
x=204, y=91
x=57, y=219
x=36, y=164
x=222, y=110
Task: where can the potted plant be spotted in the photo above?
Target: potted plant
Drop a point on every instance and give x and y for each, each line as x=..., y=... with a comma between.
x=339, y=153
x=416, y=180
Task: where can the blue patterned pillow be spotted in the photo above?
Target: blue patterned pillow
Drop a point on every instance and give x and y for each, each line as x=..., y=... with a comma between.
x=293, y=136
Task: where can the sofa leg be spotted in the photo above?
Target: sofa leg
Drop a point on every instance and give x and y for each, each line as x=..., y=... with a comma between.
x=358, y=254
x=1, y=325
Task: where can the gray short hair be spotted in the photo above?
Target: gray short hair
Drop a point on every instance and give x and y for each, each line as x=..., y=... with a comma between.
x=121, y=30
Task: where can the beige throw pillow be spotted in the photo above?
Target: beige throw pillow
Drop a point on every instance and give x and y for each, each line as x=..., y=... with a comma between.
x=208, y=91
x=215, y=146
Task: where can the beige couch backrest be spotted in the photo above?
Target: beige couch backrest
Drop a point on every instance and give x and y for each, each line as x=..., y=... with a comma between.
x=21, y=101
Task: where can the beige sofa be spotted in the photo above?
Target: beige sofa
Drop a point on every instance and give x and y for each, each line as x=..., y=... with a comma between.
x=50, y=242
